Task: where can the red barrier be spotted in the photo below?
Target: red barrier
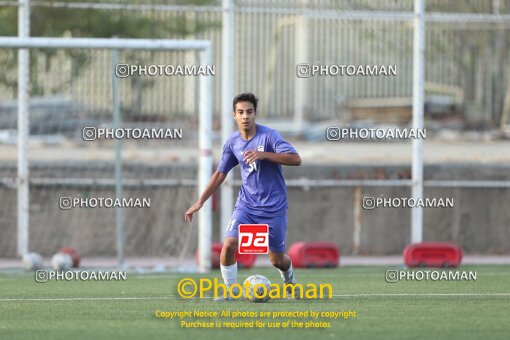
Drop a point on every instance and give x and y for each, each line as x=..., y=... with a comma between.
x=314, y=255
x=246, y=261
x=73, y=253
x=432, y=254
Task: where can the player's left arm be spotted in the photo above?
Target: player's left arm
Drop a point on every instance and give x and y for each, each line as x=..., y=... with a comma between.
x=282, y=152
x=280, y=158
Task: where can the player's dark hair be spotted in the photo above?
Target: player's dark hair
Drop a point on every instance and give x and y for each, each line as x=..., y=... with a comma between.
x=245, y=97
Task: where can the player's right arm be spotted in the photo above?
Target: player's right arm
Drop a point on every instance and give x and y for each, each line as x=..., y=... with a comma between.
x=214, y=183
x=227, y=162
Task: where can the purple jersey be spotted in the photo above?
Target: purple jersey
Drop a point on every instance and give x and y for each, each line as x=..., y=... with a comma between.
x=263, y=191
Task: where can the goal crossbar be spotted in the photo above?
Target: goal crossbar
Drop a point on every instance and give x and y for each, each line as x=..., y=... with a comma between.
x=106, y=43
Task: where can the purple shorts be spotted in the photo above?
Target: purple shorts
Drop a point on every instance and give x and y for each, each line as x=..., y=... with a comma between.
x=277, y=228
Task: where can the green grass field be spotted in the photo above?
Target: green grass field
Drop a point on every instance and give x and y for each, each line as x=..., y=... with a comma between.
x=417, y=310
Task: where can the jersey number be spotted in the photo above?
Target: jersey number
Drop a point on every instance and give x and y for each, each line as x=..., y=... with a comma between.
x=231, y=225
x=253, y=166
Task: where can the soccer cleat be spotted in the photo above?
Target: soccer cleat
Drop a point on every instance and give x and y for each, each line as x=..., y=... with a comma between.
x=297, y=292
x=229, y=298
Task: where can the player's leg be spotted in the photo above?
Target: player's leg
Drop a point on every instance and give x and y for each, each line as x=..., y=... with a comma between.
x=282, y=262
x=228, y=263
x=277, y=256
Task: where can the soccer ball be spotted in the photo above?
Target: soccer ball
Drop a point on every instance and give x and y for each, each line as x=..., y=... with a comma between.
x=32, y=261
x=62, y=262
x=256, y=290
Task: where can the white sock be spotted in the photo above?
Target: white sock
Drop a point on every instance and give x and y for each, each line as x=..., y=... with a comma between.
x=288, y=276
x=229, y=274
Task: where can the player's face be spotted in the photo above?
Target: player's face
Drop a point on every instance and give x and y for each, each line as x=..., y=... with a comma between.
x=245, y=116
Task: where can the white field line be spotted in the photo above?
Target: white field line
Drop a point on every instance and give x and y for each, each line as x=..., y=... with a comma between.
x=172, y=297
x=422, y=294
x=136, y=276
x=153, y=277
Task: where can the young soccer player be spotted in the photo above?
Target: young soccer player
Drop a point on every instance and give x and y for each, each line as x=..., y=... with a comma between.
x=260, y=152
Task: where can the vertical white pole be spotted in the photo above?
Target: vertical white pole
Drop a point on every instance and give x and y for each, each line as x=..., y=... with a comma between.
x=356, y=235
x=227, y=94
x=418, y=106
x=301, y=56
x=205, y=165
x=23, y=129
x=117, y=121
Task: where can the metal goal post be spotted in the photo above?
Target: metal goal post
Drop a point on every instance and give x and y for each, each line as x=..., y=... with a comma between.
x=116, y=44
